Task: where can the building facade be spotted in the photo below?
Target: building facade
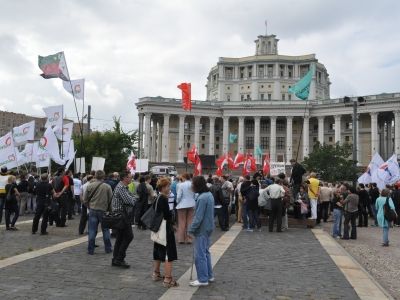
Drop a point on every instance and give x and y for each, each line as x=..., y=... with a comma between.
x=249, y=97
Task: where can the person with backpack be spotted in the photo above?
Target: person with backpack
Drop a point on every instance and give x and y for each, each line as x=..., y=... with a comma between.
x=381, y=202
x=45, y=193
x=216, y=191
x=61, y=186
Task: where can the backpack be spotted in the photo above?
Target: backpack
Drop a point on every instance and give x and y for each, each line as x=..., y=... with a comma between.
x=58, y=183
x=389, y=214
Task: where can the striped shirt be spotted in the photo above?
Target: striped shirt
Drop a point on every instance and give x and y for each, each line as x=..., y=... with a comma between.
x=122, y=198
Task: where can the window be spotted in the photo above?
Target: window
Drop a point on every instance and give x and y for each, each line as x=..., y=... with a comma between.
x=187, y=126
x=349, y=125
x=216, y=127
x=270, y=71
x=283, y=97
x=248, y=98
x=280, y=125
x=280, y=143
x=217, y=146
x=228, y=97
x=330, y=139
x=269, y=96
x=314, y=139
x=249, y=126
x=264, y=125
x=262, y=96
x=241, y=97
x=290, y=97
x=290, y=71
x=229, y=73
x=347, y=138
x=332, y=126
x=264, y=142
x=249, y=142
x=188, y=145
x=315, y=128
x=203, y=138
x=187, y=137
x=249, y=71
x=261, y=71
x=217, y=138
x=241, y=72
x=202, y=146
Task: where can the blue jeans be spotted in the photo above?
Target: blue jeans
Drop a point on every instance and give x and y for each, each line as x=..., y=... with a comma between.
x=337, y=222
x=95, y=217
x=375, y=214
x=386, y=235
x=202, y=258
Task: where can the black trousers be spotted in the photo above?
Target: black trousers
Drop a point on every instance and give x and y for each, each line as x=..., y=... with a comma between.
x=140, y=209
x=223, y=217
x=123, y=239
x=350, y=217
x=41, y=210
x=70, y=206
x=61, y=217
x=13, y=208
x=83, y=220
x=323, y=211
x=276, y=214
x=362, y=216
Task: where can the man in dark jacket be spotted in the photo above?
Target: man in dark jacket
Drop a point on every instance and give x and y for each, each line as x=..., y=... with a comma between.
x=216, y=191
x=296, y=177
x=363, y=204
x=374, y=194
x=244, y=190
x=141, y=204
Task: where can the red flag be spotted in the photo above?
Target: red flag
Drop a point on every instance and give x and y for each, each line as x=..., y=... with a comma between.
x=192, y=154
x=131, y=164
x=249, y=165
x=198, y=167
x=239, y=158
x=219, y=172
x=266, y=168
x=186, y=89
x=225, y=159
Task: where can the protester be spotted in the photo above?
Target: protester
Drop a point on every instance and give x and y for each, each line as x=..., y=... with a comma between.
x=244, y=189
x=302, y=203
x=379, y=206
x=11, y=204
x=44, y=194
x=396, y=202
x=227, y=191
x=374, y=194
x=31, y=201
x=325, y=198
x=276, y=193
x=313, y=194
x=84, y=215
x=150, y=188
x=77, y=193
x=168, y=253
x=23, y=192
x=185, y=209
x=363, y=205
x=337, y=214
x=296, y=178
x=112, y=180
x=350, y=205
x=239, y=200
x=202, y=228
x=216, y=191
x=252, y=206
x=141, y=204
x=3, y=183
x=123, y=202
x=61, y=186
x=97, y=198
x=286, y=201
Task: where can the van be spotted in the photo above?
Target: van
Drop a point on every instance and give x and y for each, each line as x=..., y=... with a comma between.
x=164, y=171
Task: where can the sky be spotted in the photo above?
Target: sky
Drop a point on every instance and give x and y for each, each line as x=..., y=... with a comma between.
x=127, y=49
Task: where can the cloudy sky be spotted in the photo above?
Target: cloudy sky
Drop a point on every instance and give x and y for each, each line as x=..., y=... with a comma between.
x=126, y=49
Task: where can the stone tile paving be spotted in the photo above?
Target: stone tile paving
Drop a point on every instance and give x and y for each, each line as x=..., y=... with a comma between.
x=290, y=265
x=381, y=262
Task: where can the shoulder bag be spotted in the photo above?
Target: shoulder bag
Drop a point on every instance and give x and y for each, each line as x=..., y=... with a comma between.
x=389, y=214
x=151, y=218
x=160, y=237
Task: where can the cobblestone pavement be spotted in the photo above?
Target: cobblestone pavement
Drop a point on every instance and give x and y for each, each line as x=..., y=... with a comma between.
x=258, y=265
x=381, y=262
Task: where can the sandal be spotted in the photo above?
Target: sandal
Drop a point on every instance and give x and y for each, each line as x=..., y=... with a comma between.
x=157, y=276
x=171, y=283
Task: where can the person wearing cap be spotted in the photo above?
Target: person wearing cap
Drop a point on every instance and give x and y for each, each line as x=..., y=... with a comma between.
x=3, y=182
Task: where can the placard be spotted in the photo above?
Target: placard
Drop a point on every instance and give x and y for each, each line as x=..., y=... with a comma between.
x=98, y=163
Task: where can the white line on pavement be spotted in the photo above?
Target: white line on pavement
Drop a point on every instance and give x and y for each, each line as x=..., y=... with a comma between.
x=19, y=223
x=184, y=291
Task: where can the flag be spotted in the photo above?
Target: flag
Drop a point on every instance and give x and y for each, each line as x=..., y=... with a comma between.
x=186, y=89
x=388, y=172
x=266, y=168
x=222, y=161
x=302, y=88
x=198, y=168
x=49, y=144
x=131, y=164
x=78, y=88
x=258, y=151
x=8, y=157
x=54, y=66
x=239, y=158
x=249, y=165
x=66, y=134
x=66, y=149
x=369, y=175
x=54, y=116
x=24, y=156
x=232, y=138
x=193, y=156
x=24, y=133
x=70, y=154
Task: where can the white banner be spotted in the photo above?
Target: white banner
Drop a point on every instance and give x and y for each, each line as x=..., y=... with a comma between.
x=54, y=115
x=142, y=165
x=24, y=133
x=66, y=133
x=49, y=144
x=98, y=163
x=43, y=160
x=277, y=168
x=80, y=165
x=24, y=156
x=69, y=163
x=370, y=174
x=78, y=88
x=8, y=156
x=70, y=155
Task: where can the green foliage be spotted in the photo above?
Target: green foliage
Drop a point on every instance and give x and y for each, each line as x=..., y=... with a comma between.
x=332, y=162
x=114, y=145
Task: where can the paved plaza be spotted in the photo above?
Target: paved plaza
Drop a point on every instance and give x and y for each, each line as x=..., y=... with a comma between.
x=251, y=265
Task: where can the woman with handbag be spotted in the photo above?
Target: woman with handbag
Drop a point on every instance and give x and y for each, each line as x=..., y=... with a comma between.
x=384, y=202
x=11, y=205
x=168, y=253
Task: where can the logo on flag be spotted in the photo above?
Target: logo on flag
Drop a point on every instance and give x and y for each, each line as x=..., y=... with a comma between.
x=43, y=142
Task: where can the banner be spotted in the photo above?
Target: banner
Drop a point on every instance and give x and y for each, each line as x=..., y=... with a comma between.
x=276, y=168
x=370, y=174
x=49, y=144
x=24, y=156
x=78, y=88
x=388, y=172
x=66, y=133
x=80, y=165
x=8, y=157
x=24, y=133
x=98, y=163
x=54, y=116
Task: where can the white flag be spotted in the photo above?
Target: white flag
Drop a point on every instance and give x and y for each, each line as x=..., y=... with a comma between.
x=66, y=133
x=24, y=133
x=54, y=116
x=388, y=172
x=43, y=160
x=8, y=157
x=24, y=156
x=370, y=174
x=78, y=88
x=49, y=144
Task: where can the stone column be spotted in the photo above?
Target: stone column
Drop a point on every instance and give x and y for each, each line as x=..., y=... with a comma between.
x=374, y=133
x=225, y=134
x=241, y=135
x=147, y=134
x=159, y=141
x=153, y=141
x=257, y=136
x=289, y=138
x=181, y=138
x=397, y=132
x=321, y=130
x=165, y=139
x=197, y=131
x=211, y=141
x=338, y=129
x=306, y=136
x=141, y=117
x=272, y=139
x=359, y=156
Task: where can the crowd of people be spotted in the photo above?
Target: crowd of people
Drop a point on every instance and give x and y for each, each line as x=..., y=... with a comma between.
x=191, y=205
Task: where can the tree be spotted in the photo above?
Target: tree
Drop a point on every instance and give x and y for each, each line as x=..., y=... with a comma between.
x=332, y=162
x=114, y=145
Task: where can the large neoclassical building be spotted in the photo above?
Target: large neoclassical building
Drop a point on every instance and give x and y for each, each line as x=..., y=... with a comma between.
x=248, y=97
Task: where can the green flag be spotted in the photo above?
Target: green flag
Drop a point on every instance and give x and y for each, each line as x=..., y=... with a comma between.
x=232, y=138
x=302, y=88
x=53, y=66
x=258, y=151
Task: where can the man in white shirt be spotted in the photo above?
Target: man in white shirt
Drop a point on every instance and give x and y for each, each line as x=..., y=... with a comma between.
x=275, y=192
x=77, y=193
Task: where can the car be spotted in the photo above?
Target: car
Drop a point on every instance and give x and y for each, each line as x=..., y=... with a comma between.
x=165, y=170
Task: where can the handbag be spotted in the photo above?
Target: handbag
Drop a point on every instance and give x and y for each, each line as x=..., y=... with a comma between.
x=151, y=218
x=160, y=237
x=113, y=220
x=389, y=214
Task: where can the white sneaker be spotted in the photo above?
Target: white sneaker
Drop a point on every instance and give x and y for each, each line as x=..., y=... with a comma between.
x=212, y=279
x=197, y=283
